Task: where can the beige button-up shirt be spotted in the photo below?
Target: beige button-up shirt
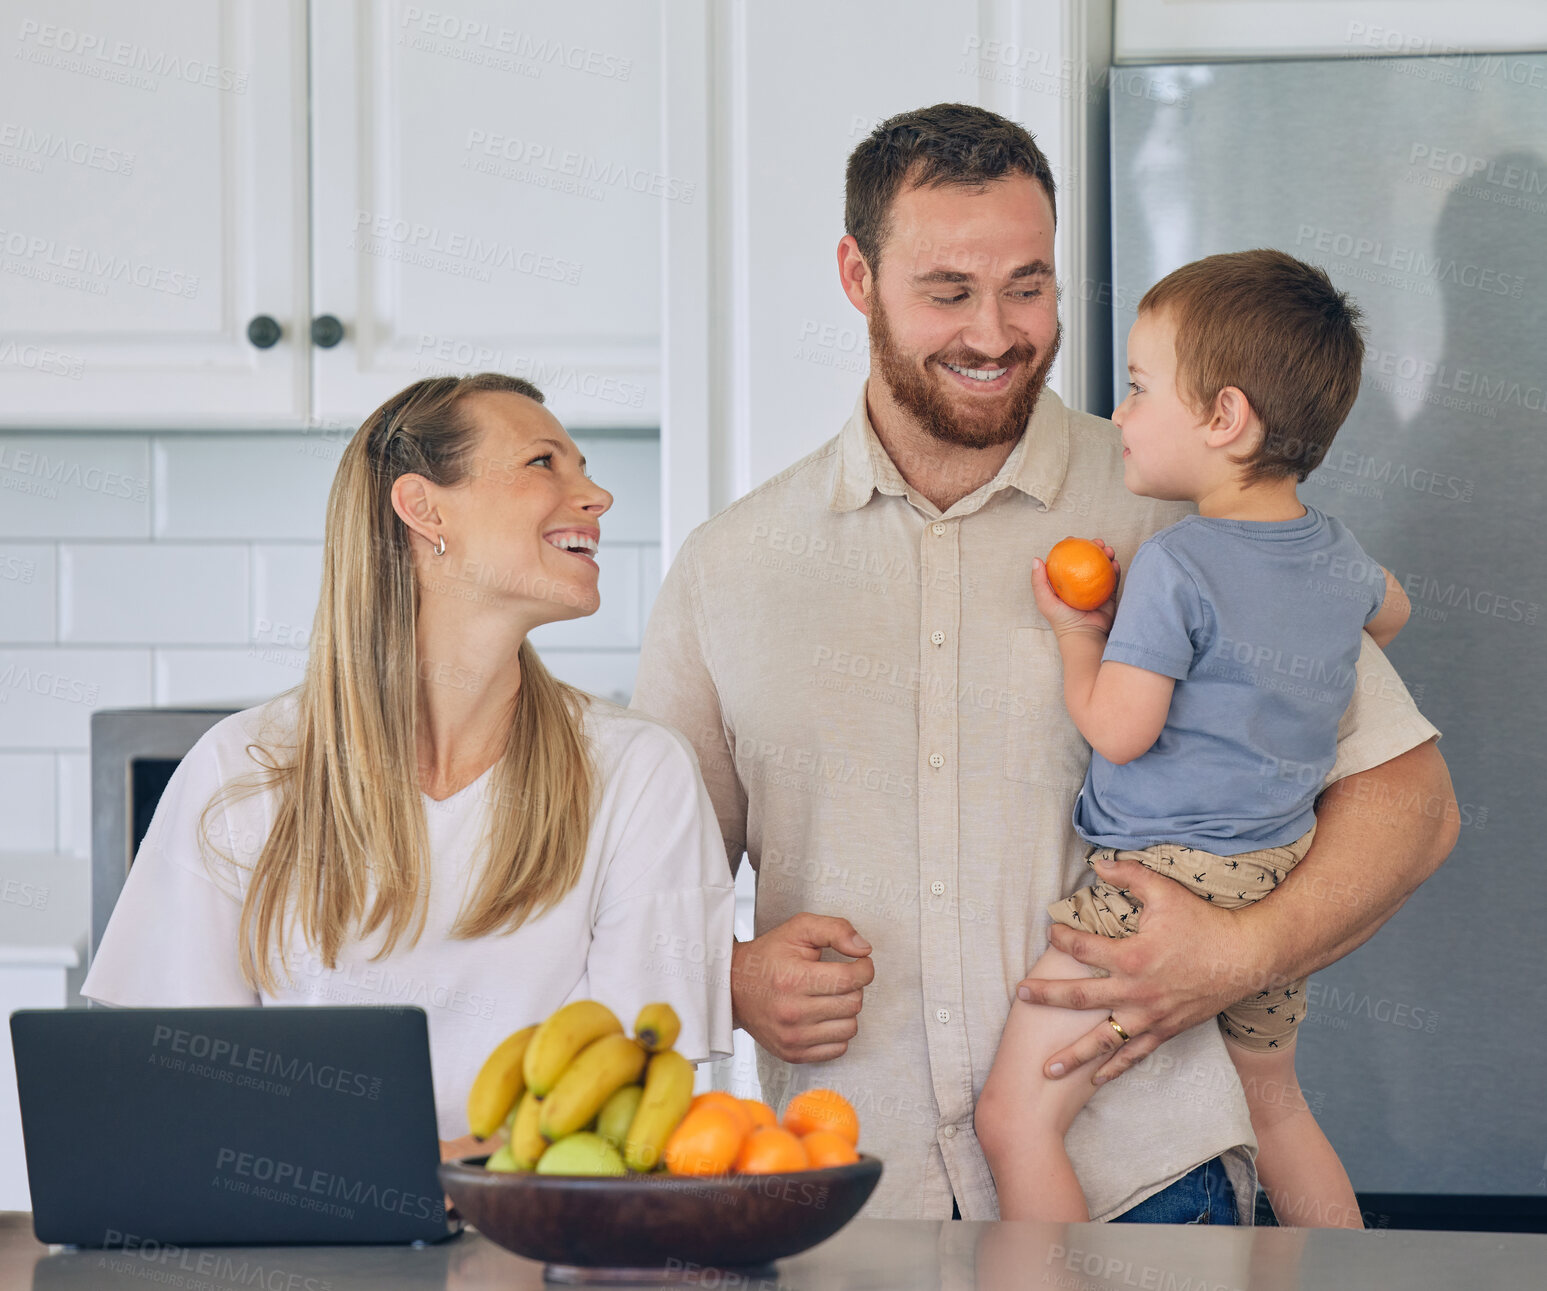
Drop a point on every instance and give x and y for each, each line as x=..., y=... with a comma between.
x=877, y=710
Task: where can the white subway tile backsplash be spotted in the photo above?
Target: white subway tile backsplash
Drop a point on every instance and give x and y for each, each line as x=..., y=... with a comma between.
x=73, y=778
x=608, y=673
x=185, y=569
x=74, y=486
x=227, y=678
x=153, y=593
x=240, y=486
x=47, y=696
x=629, y=469
x=616, y=623
x=27, y=579
x=26, y=802
x=285, y=583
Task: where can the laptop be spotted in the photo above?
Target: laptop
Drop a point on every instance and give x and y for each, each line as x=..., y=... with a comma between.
x=230, y=1126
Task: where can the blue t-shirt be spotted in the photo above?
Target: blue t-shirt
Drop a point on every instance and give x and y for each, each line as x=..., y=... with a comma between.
x=1259, y=622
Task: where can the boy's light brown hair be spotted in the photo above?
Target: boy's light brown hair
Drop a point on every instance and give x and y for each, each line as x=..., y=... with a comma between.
x=1276, y=329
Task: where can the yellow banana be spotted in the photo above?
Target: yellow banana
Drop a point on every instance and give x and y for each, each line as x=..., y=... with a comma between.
x=526, y=1142
x=600, y=1068
x=498, y=1084
x=668, y=1091
x=561, y=1037
x=657, y=1027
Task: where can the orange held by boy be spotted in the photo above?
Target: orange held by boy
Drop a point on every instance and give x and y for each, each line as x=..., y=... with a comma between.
x=1081, y=573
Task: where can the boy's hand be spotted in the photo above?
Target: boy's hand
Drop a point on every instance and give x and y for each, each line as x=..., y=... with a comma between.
x=1065, y=618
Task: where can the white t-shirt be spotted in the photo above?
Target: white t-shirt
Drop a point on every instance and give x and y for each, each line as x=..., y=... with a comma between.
x=650, y=919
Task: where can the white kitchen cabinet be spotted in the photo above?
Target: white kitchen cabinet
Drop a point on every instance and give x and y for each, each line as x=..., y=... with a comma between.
x=488, y=190
x=447, y=192
x=152, y=203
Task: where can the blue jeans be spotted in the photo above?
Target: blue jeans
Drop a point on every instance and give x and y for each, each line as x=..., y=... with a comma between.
x=1202, y=1196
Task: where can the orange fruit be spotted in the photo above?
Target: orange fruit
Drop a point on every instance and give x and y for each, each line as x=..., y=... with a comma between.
x=735, y=1106
x=824, y=1148
x=1081, y=573
x=770, y=1150
x=822, y=1109
x=705, y=1142
x=760, y=1112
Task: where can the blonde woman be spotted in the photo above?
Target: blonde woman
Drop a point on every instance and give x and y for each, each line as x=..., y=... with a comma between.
x=431, y=818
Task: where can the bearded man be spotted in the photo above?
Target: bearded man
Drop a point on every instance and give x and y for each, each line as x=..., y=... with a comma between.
x=854, y=651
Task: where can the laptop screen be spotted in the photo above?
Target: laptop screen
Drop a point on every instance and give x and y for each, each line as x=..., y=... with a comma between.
x=239, y=1126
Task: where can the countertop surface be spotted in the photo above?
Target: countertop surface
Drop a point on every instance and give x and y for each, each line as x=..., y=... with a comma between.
x=868, y=1255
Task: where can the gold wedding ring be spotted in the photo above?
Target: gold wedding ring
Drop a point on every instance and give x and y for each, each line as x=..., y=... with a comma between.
x=1118, y=1027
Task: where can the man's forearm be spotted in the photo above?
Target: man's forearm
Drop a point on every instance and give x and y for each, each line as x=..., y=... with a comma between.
x=1379, y=834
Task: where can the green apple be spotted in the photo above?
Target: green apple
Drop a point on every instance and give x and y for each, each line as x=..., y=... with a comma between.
x=502, y=1160
x=581, y=1153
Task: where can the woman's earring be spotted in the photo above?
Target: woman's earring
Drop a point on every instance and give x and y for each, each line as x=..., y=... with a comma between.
x=440, y=544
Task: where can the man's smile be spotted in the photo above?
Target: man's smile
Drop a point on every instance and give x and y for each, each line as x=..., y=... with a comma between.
x=980, y=379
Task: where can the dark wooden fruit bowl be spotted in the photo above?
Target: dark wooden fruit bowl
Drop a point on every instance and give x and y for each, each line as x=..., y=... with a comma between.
x=658, y=1222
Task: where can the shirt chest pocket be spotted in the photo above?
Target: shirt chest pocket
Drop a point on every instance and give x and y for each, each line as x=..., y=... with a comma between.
x=1042, y=744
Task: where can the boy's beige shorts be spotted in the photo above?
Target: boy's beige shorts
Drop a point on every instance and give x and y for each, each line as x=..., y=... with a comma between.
x=1265, y=1020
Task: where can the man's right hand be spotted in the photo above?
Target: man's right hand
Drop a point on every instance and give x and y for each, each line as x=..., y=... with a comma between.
x=786, y=997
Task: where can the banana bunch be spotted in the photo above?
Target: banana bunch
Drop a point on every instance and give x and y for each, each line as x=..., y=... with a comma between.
x=575, y=1095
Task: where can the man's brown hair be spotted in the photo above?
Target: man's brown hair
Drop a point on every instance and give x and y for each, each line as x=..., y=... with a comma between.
x=949, y=143
x=1277, y=330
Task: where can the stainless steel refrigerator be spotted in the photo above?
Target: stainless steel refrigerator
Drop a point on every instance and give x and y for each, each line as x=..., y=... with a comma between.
x=1420, y=184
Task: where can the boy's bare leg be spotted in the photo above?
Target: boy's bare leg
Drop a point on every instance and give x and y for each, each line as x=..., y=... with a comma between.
x=1299, y=1170
x=1021, y=1116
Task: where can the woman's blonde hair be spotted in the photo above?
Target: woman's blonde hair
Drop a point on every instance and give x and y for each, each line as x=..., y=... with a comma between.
x=348, y=803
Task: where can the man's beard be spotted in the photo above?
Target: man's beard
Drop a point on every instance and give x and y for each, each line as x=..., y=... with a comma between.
x=919, y=395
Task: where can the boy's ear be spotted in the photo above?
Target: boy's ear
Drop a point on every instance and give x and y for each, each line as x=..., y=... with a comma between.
x=1232, y=420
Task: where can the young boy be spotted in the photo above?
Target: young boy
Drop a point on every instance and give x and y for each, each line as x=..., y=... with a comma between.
x=1212, y=707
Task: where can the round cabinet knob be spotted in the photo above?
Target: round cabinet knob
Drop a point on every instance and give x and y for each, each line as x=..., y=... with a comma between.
x=263, y=332
x=327, y=331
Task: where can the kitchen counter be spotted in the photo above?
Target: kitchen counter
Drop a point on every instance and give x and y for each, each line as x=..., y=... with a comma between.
x=868, y=1255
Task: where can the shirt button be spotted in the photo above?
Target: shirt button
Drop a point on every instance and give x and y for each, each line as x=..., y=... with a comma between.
x=937, y=637
x=939, y=529
x=938, y=888
x=936, y=761
x=942, y=1015
x=949, y=1131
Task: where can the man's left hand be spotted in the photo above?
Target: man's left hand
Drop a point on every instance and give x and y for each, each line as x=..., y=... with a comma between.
x=1186, y=963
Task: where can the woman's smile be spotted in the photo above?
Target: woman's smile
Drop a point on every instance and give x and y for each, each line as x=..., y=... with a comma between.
x=579, y=543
